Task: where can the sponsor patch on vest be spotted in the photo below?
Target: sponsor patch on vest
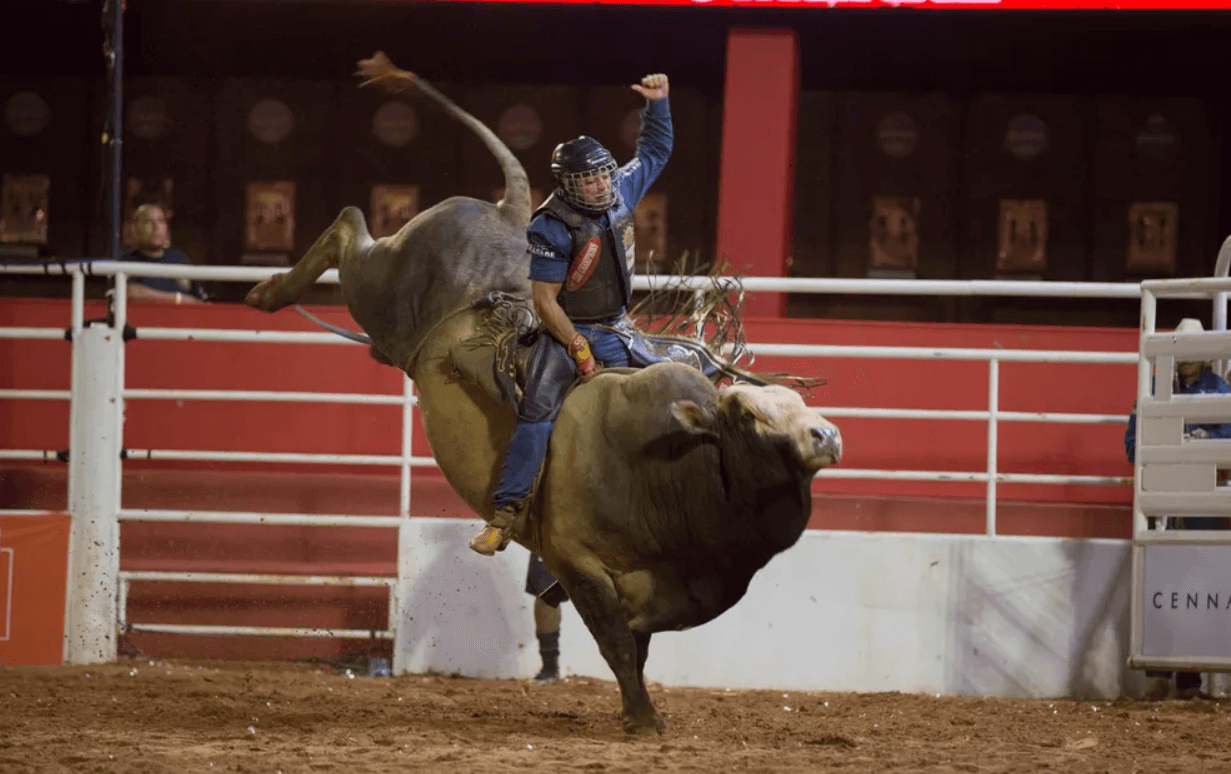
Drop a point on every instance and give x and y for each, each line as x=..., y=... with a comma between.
x=630, y=245
x=584, y=264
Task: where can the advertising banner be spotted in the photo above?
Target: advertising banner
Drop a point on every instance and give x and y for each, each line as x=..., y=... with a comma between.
x=1187, y=605
x=33, y=574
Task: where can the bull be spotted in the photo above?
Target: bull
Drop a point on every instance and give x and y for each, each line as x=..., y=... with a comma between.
x=661, y=496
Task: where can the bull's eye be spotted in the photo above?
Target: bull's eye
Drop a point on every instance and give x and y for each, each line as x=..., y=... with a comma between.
x=744, y=412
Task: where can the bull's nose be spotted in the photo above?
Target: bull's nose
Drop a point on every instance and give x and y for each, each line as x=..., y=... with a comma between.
x=824, y=434
x=828, y=440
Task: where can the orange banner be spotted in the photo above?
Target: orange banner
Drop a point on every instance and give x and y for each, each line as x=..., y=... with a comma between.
x=33, y=574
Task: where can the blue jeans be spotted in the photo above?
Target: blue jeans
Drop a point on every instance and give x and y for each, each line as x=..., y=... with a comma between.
x=528, y=447
x=608, y=348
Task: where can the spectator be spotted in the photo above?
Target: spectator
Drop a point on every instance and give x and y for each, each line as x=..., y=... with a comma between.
x=1190, y=378
x=154, y=246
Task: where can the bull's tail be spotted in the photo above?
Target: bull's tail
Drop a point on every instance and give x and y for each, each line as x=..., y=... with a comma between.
x=362, y=338
x=341, y=241
x=515, y=206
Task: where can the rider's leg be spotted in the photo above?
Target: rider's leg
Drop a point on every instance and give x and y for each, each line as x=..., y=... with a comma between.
x=609, y=349
x=522, y=459
x=549, y=373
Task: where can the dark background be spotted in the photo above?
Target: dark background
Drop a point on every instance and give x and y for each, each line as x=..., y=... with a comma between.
x=1092, y=76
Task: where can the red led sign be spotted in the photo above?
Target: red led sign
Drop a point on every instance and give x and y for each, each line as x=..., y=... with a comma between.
x=1035, y=5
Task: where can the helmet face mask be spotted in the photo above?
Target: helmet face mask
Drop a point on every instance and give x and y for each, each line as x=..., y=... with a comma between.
x=582, y=168
x=589, y=190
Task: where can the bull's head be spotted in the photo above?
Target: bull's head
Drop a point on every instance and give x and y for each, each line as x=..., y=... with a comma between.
x=766, y=417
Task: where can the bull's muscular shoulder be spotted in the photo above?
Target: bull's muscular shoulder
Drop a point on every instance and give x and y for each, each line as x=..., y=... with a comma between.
x=633, y=410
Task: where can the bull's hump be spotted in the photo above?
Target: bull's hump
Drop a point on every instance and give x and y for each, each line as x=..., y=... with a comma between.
x=664, y=382
x=642, y=408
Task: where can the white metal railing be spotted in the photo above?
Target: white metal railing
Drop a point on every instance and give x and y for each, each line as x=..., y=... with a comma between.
x=41, y=334
x=269, y=395
x=282, y=519
x=1162, y=415
x=122, y=579
x=257, y=579
x=991, y=476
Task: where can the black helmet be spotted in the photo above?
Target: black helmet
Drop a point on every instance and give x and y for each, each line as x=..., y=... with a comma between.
x=578, y=162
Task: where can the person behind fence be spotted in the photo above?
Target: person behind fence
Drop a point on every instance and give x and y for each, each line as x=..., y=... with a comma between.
x=1191, y=377
x=546, y=619
x=581, y=263
x=153, y=245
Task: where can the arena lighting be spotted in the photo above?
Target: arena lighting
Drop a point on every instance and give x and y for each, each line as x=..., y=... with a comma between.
x=1030, y=5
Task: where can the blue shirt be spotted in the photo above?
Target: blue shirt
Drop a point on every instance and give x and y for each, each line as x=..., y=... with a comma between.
x=1206, y=381
x=165, y=284
x=550, y=241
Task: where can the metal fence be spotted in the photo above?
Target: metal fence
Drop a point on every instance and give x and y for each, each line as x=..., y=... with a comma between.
x=98, y=394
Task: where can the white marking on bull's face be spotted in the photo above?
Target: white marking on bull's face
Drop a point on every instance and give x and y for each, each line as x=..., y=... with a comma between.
x=777, y=410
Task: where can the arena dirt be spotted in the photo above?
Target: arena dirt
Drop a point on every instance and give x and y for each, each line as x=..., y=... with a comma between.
x=174, y=716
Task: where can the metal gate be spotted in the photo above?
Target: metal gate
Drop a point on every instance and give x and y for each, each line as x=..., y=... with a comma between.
x=1181, y=612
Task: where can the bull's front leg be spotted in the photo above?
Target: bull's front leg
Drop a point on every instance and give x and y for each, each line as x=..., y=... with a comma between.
x=595, y=598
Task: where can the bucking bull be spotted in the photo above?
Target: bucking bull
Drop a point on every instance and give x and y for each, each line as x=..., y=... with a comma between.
x=661, y=496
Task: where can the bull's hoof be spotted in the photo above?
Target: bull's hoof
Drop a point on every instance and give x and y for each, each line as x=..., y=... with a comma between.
x=644, y=725
x=268, y=296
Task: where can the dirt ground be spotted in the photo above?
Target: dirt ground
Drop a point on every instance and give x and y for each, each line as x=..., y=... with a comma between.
x=177, y=716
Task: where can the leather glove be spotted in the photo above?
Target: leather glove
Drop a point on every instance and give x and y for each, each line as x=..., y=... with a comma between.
x=579, y=350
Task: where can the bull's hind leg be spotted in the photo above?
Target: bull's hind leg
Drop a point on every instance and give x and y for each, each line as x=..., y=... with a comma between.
x=594, y=596
x=643, y=652
x=331, y=248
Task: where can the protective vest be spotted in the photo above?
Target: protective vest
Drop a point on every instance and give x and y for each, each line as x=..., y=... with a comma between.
x=598, y=284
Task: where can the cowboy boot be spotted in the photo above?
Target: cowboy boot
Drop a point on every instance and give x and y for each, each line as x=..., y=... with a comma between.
x=549, y=650
x=496, y=535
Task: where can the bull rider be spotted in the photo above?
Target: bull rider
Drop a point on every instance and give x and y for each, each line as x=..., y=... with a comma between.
x=581, y=266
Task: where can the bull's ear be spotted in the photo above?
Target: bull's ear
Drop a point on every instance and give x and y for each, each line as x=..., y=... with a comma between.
x=692, y=418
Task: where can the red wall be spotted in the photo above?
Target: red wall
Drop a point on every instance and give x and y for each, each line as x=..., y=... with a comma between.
x=950, y=384
x=859, y=504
